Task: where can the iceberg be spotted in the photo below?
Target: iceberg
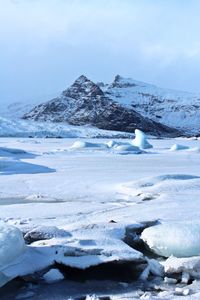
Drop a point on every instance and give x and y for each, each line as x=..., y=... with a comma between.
x=141, y=140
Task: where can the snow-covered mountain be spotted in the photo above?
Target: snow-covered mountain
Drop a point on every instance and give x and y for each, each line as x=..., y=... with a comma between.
x=84, y=102
x=173, y=108
x=15, y=110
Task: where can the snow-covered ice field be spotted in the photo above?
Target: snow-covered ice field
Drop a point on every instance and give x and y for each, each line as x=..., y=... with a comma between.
x=81, y=203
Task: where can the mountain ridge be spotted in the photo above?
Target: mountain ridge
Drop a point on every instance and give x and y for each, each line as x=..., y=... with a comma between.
x=84, y=102
x=170, y=107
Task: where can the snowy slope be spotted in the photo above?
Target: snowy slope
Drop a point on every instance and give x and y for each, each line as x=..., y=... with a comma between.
x=15, y=110
x=172, y=108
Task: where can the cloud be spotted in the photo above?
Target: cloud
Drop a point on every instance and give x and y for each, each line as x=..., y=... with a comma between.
x=46, y=44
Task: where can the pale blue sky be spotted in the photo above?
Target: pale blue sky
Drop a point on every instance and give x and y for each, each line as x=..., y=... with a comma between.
x=46, y=44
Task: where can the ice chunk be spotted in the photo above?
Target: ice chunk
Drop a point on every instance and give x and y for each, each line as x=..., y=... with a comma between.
x=53, y=275
x=184, y=265
x=86, y=145
x=170, y=280
x=127, y=148
x=181, y=291
x=177, y=147
x=180, y=239
x=11, y=244
x=185, y=278
x=141, y=140
x=111, y=144
x=153, y=267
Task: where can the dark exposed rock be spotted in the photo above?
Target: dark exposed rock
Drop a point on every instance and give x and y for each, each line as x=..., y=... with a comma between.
x=44, y=233
x=85, y=103
x=117, y=271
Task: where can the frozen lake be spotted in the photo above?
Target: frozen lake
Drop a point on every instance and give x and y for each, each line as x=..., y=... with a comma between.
x=94, y=194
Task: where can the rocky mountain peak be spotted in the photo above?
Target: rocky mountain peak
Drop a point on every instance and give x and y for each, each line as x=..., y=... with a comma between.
x=81, y=80
x=121, y=82
x=83, y=87
x=84, y=102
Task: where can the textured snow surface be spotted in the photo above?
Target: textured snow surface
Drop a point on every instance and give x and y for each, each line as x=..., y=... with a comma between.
x=78, y=209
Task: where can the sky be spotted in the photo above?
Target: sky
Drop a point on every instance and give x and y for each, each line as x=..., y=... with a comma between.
x=46, y=44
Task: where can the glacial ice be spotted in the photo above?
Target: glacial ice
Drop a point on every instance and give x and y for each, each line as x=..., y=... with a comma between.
x=177, y=147
x=141, y=140
x=180, y=239
x=11, y=244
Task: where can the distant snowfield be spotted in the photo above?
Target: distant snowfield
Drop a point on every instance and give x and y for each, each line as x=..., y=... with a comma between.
x=63, y=199
x=23, y=128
